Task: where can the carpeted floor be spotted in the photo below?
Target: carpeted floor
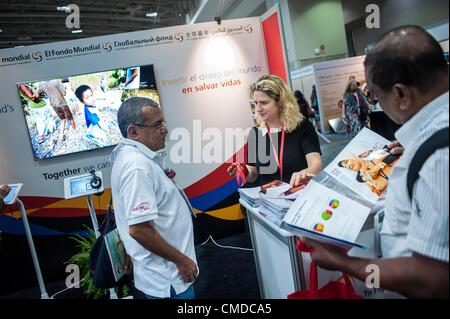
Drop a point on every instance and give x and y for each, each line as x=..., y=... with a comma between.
x=224, y=274
x=227, y=273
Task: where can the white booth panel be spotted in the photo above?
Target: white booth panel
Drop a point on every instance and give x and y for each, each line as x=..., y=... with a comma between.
x=275, y=263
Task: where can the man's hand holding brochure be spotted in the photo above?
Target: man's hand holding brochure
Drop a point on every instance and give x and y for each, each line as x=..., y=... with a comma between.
x=334, y=207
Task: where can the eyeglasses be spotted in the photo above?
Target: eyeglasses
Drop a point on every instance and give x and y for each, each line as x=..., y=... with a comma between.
x=158, y=126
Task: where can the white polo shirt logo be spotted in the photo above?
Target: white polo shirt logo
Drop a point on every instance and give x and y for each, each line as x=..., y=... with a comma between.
x=142, y=208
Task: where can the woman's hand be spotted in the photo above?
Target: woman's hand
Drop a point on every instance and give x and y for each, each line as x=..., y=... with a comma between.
x=240, y=172
x=299, y=177
x=232, y=170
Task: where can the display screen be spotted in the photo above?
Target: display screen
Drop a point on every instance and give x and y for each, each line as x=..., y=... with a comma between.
x=79, y=113
x=81, y=186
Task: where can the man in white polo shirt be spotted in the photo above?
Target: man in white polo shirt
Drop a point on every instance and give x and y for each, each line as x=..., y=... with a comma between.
x=408, y=73
x=152, y=214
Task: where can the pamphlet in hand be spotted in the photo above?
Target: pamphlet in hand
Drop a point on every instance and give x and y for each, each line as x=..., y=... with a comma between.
x=364, y=165
x=327, y=216
x=117, y=254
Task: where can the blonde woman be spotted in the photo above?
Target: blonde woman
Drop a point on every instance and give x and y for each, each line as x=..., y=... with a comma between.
x=285, y=146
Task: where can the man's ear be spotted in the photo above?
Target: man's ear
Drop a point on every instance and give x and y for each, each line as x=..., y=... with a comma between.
x=132, y=132
x=404, y=96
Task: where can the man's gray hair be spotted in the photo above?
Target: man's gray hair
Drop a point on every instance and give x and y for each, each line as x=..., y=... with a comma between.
x=130, y=112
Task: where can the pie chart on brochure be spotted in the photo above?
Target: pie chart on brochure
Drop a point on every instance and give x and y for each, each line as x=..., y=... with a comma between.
x=334, y=204
x=319, y=228
x=326, y=215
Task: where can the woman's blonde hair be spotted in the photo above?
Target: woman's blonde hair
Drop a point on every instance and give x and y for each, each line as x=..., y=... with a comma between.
x=349, y=84
x=277, y=89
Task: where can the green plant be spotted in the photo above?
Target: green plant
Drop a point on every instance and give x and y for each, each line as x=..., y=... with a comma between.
x=82, y=260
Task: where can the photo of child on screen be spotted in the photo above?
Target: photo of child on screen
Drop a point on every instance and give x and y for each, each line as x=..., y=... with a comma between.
x=86, y=96
x=56, y=93
x=96, y=129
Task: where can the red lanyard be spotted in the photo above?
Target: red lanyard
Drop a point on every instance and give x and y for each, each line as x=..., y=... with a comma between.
x=279, y=159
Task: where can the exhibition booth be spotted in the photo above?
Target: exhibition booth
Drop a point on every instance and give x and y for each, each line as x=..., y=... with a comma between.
x=200, y=76
x=330, y=79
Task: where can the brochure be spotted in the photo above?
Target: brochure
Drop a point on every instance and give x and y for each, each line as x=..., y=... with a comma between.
x=364, y=165
x=117, y=254
x=327, y=216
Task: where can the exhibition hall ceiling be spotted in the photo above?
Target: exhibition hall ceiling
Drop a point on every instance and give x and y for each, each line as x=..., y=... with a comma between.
x=26, y=22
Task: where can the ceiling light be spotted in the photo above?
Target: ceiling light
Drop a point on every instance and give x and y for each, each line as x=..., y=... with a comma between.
x=64, y=9
x=151, y=14
x=77, y=31
x=1, y=30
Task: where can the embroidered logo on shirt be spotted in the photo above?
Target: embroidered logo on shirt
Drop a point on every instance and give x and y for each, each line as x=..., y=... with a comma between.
x=142, y=208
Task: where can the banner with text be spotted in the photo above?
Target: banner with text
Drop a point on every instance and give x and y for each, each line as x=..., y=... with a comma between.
x=203, y=73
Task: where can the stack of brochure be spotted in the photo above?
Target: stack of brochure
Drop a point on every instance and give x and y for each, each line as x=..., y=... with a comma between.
x=277, y=198
x=274, y=199
x=274, y=209
x=250, y=196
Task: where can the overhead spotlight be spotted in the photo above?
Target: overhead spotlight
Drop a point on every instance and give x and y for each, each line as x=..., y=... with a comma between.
x=64, y=9
x=218, y=20
x=77, y=31
x=151, y=14
x=1, y=30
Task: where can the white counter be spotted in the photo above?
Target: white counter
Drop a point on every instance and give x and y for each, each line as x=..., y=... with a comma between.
x=283, y=270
